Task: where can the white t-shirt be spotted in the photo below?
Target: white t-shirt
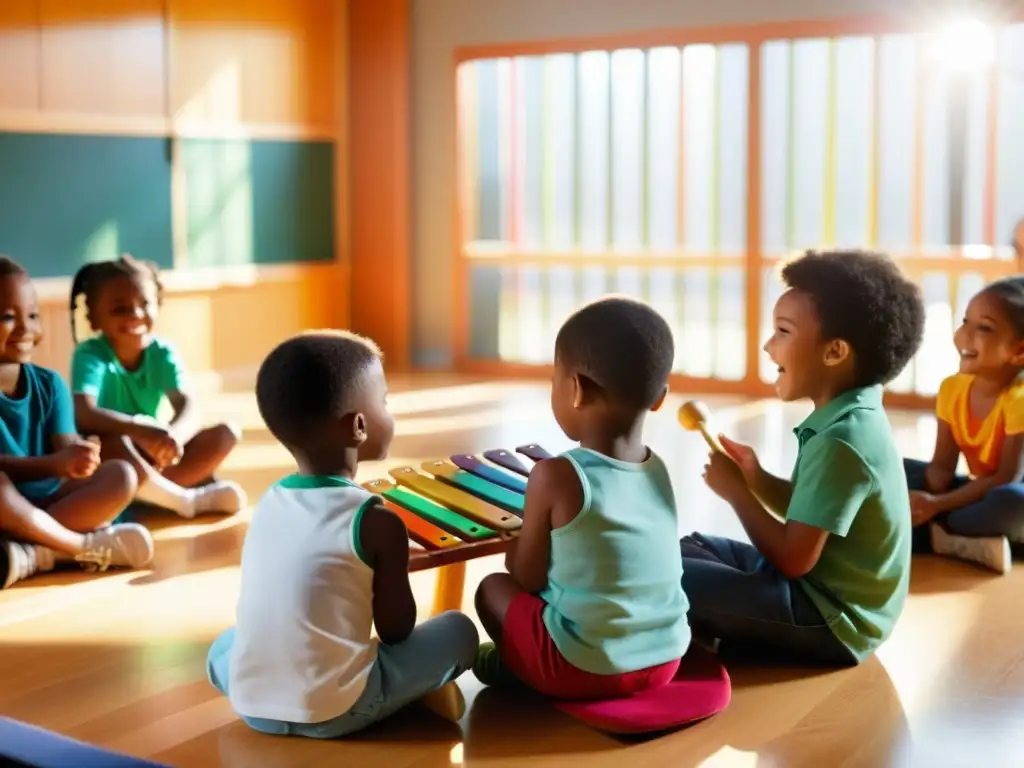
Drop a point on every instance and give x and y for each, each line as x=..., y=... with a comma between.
x=303, y=645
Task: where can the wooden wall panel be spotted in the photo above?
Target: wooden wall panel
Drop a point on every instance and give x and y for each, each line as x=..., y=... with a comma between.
x=379, y=133
x=19, y=56
x=262, y=62
x=113, y=63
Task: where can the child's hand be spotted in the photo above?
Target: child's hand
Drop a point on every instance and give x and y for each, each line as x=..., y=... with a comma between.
x=744, y=457
x=923, y=507
x=725, y=478
x=78, y=460
x=159, y=444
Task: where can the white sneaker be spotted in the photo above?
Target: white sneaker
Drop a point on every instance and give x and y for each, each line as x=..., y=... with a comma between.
x=992, y=552
x=124, y=545
x=222, y=496
x=24, y=560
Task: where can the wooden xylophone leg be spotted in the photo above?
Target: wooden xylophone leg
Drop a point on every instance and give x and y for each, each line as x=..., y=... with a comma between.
x=451, y=581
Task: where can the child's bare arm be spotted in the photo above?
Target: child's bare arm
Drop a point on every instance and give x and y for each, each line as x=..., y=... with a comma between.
x=942, y=467
x=385, y=541
x=157, y=441
x=185, y=422
x=791, y=546
x=553, y=499
x=91, y=418
x=23, y=469
x=774, y=491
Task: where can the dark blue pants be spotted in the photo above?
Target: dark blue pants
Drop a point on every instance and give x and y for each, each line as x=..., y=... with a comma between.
x=740, y=598
x=999, y=513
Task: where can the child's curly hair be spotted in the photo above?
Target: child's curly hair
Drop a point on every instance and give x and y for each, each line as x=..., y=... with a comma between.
x=863, y=298
x=91, y=278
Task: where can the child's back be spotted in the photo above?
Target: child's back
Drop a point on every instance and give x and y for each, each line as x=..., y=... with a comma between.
x=324, y=563
x=614, y=601
x=593, y=604
x=303, y=646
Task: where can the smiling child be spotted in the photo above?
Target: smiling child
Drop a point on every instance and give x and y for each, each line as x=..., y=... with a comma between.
x=121, y=378
x=980, y=414
x=826, y=576
x=56, y=497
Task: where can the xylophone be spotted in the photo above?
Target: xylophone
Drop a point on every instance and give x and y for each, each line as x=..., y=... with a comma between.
x=458, y=509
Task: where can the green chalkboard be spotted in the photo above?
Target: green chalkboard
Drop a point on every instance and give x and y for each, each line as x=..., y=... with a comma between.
x=258, y=202
x=68, y=199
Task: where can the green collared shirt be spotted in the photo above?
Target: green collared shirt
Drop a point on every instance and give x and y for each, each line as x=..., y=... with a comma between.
x=849, y=481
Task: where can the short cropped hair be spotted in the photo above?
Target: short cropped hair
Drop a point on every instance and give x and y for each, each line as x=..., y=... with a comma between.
x=309, y=379
x=863, y=298
x=9, y=267
x=621, y=344
x=1010, y=292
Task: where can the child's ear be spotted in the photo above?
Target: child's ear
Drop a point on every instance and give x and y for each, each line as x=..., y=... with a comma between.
x=584, y=390
x=577, y=391
x=660, y=401
x=359, y=434
x=1017, y=358
x=837, y=352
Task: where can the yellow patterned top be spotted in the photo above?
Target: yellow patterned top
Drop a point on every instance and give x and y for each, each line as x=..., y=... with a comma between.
x=981, y=442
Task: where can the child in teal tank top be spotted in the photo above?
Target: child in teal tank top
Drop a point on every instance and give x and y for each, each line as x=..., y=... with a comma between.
x=122, y=377
x=592, y=605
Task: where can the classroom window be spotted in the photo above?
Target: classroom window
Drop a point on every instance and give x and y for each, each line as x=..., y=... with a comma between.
x=630, y=155
x=627, y=171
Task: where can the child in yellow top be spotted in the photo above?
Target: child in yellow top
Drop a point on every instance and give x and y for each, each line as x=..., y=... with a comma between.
x=980, y=414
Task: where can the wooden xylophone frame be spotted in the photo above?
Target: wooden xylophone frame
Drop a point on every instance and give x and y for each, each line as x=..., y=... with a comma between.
x=458, y=509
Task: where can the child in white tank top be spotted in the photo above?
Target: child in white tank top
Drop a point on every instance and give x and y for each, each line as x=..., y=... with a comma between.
x=324, y=561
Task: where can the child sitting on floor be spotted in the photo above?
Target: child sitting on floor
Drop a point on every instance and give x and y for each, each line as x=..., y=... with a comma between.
x=323, y=560
x=55, y=495
x=592, y=606
x=120, y=379
x=980, y=415
x=825, y=580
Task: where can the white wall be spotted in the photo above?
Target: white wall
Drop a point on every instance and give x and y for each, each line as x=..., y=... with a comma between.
x=441, y=26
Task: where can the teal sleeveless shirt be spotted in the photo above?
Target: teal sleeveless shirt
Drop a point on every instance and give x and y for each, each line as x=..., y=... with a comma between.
x=615, y=601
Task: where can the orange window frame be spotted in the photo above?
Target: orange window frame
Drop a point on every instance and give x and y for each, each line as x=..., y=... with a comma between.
x=755, y=261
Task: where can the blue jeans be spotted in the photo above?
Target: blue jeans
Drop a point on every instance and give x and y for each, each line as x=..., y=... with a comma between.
x=999, y=513
x=740, y=598
x=438, y=651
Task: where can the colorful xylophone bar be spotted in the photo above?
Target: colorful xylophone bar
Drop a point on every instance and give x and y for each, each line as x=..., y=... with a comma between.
x=462, y=507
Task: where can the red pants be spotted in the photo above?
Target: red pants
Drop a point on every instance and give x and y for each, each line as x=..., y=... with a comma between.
x=529, y=652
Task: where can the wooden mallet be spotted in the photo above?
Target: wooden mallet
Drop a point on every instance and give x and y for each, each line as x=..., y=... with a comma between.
x=694, y=415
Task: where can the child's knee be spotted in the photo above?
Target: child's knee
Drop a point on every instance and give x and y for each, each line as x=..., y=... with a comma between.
x=225, y=437
x=490, y=586
x=119, y=477
x=1009, y=497
x=464, y=639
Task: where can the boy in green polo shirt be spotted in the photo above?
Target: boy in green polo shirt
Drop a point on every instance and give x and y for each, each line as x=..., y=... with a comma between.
x=828, y=572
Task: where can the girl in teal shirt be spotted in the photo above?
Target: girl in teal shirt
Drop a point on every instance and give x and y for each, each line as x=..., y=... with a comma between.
x=120, y=379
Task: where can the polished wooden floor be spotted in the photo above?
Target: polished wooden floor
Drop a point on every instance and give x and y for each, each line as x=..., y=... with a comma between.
x=118, y=659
